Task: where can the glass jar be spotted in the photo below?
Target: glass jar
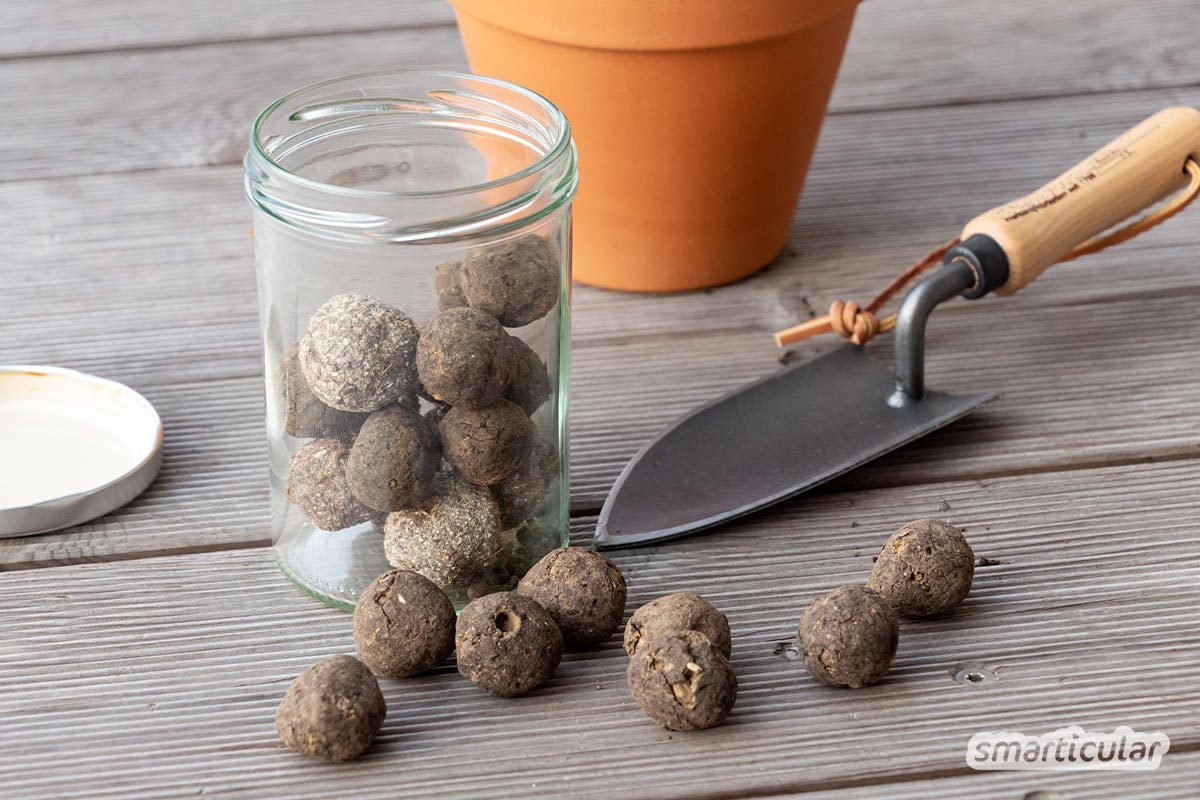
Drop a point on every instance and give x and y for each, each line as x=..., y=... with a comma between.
x=412, y=240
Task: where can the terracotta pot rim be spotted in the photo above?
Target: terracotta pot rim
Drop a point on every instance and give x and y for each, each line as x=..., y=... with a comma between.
x=653, y=25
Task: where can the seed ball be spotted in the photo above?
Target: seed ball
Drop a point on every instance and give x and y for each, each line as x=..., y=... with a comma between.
x=682, y=681
x=306, y=417
x=464, y=358
x=516, y=282
x=394, y=460
x=403, y=625
x=359, y=354
x=523, y=491
x=507, y=644
x=682, y=611
x=332, y=710
x=487, y=445
x=530, y=384
x=849, y=637
x=925, y=569
x=445, y=282
x=583, y=591
x=453, y=541
x=317, y=485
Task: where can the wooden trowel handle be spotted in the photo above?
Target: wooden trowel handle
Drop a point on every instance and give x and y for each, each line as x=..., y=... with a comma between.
x=1139, y=167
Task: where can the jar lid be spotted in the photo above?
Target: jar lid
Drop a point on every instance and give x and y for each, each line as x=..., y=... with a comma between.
x=73, y=447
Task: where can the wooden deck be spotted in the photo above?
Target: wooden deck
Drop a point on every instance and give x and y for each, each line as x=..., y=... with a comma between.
x=142, y=655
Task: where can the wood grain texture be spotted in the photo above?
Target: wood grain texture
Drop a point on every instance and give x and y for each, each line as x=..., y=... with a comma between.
x=1083, y=358
x=192, y=106
x=80, y=26
x=1087, y=618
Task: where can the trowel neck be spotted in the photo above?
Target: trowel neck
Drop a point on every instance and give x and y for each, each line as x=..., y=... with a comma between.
x=971, y=269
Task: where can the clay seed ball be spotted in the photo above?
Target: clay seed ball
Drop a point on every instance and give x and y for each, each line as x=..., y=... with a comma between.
x=317, y=485
x=451, y=542
x=682, y=681
x=446, y=284
x=521, y=493
x=306, y=417
x=582, y=590
x=359, y=354
x=332, y=710
x=464, y=358
x=849, y=637
x=682, y=611
x=403, y=625
x=394, y=460
x=487, y=445
x=507, y=644
x=925, y=569
x=516, y=282
x=530, y=384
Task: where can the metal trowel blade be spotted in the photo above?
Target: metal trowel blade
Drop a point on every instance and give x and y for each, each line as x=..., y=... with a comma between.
x=765, y=442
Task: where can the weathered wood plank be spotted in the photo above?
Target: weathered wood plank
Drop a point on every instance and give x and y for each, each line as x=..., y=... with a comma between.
x=1088, y=618
x=1113, y=390
x=190, y=108
x=28, y=28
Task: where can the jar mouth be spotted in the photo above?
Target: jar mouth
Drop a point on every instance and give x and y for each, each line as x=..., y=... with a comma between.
x=410, y=156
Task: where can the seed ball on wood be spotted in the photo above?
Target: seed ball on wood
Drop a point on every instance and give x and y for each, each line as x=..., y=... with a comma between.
x=507, y=644
x=359, y=354
x=530, y=384
x=464, y=358
x=306, y=417
x=516, y=282
x=487, y=445
x=682, y=611
x=523, y=491
x=332, y=710
x=682, y=681
x=317, y=485
x=583, y=591
x=446, y=284
x=453, y=540
x=849, y=637
x=394, y=460
x=403, y=624
x=925, y=569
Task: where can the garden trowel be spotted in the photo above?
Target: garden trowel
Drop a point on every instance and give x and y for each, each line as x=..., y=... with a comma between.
x=811, y=422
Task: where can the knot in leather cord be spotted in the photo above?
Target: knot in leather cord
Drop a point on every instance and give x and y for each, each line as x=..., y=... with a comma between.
x=852, y=322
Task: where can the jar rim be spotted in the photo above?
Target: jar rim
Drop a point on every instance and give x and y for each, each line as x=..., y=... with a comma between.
x=561, y=143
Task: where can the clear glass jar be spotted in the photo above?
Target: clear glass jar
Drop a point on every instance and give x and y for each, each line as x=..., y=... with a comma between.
x=412, y=238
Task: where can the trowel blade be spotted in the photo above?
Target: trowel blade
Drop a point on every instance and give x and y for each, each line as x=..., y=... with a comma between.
x=765, y=442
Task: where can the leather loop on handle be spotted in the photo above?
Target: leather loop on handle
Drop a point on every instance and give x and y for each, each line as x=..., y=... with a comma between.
x=1135, y=170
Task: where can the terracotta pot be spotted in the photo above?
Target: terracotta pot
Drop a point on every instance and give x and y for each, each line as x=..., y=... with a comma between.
x=695, y=122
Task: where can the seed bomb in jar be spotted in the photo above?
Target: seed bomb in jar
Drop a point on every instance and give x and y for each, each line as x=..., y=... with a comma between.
x=530, y=384
x=521, y=493
x=317, y=485
x=464, y=358
x=306, y=417
x=403, y=625
x=682, y=611
x=487, y=445
x=359, y=354
x=507, y=644
x=925, y=569
x=849, y=637
x=453, y=540
x=445, y=283
x=332, y=710
x=582, y=590
x=516, y=282
x=682, y=681
x=394, y=460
